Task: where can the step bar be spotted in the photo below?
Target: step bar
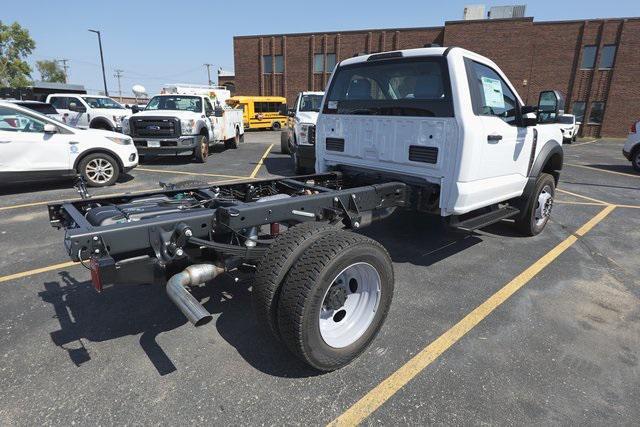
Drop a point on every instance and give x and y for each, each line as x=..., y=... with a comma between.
x=484, y=219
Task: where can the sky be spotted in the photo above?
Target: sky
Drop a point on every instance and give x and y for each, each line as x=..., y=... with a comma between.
x=162, y=41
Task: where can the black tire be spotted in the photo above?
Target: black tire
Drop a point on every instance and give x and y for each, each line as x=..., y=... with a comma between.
x=233, y=143
x=574, y=138
x=303, y=295
x=274, y=266
x=276, y=126
x=201, y=153
x=99, y=170
x=526, y=222
x=285, y=148
x=635, y=159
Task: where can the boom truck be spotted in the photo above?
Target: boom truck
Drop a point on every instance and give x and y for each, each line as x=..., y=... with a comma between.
x=437, y=130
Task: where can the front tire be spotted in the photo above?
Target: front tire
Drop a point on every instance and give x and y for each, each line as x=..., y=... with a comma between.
x=335, y=299
x=99, y=170
x=202, y=149
x=635, y=159
x=537, y=210
x=285, y=148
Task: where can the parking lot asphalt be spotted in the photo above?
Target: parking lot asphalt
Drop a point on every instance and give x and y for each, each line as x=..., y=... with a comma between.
x=485, y=327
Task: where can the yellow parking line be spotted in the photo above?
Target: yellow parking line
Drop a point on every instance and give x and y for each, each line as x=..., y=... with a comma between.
x=602, y=170
x=583, y=197
x=38, y=271
x=387, y=388
x=566, y=202
x=191, y=173
x=260, y=162
x=584, y=143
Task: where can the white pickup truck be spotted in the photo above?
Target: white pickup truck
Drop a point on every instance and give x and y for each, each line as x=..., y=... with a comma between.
x=295, y=139
x=89, y=111
x=185, y=120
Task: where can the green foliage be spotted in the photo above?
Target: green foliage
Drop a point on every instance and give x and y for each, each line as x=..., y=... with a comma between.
x=15, y=45
x=50, y=71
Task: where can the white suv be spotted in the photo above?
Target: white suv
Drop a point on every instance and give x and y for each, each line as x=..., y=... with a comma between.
x=34, y=146
x=568, y=127
x=89, y=111
x=631, y=148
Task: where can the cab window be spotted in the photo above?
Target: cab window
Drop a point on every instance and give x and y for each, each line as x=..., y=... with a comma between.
x=59, y=102
x=490, y=95
x=16, y=121
x=208, y=108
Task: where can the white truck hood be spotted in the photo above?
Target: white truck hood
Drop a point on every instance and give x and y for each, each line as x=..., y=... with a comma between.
x=99, y=132
x=307, y=117
x=169, y=113
x=108, y=112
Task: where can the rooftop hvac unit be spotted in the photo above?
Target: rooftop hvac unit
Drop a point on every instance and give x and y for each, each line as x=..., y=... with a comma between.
x=473, y=11
x=500, y=12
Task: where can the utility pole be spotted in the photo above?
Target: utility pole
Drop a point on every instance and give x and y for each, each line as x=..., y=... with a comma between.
x=65, y=67
x=209, y=73
x=104, y=76
x=117, y=75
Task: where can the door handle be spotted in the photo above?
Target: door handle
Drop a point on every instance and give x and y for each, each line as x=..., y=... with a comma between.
x=4, y=141
x=73, y=143
x=494, y=137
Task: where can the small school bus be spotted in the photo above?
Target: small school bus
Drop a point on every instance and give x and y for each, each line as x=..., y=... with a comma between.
x=261, y=112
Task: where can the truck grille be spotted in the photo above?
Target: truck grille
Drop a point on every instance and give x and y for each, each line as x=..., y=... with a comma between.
x=422, y=154
x=312, y=135
x=334, y=144
x=155, y=127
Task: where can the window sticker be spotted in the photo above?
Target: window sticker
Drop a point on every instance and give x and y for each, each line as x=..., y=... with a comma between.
x=492, y=89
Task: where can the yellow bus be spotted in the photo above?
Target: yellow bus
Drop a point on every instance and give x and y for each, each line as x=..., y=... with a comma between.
x=261, y=112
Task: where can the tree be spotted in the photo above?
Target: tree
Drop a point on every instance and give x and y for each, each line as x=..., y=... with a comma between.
x=15, y=45
x=50, y=71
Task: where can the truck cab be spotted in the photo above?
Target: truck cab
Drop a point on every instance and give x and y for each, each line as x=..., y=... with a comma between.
x=89, y=111
x=446, y=120
x=186, y=120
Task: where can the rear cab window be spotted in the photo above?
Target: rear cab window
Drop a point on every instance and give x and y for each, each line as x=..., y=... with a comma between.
x=416, y=86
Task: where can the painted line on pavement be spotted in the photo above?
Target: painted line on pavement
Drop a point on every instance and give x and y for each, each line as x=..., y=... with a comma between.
x=602, y=170
x=584, y=197
x=191, y=173
x=38, y=271
x=364, y=407
x=583, y=143
x=260, y=162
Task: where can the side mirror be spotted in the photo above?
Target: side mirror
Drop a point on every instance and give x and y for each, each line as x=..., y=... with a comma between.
x=127, y=106
x=135, y=109
x=218, y=112
x=77, y=108
x=550, y=106
x=291, y=112
x=49, y=128
x=529, y=115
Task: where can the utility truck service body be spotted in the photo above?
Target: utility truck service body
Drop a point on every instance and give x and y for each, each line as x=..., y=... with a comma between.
x=437, y=130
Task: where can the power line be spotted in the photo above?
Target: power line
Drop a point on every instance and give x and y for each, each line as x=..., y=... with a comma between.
x=118, y=75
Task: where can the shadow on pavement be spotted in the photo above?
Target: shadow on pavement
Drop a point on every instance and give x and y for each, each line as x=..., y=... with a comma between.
x=51, y=184
x=281, y=165
x=175, y=160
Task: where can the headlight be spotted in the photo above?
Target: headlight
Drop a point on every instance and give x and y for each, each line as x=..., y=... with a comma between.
x=125, y=125
x=304, y=132
x=122, y=140
x=188, y=126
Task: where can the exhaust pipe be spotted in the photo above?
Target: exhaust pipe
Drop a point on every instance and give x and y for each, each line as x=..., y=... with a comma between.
x=178, y=293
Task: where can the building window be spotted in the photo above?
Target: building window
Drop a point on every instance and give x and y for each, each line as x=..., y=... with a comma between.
x=607, y=56
x=588, y=57
x=267, y=64
x=597, y=111
x=331, y=62
x=578, y=111
x=279, y=64
x=318, y=63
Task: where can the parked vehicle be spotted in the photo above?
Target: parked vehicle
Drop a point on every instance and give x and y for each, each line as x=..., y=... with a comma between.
x=261, y=112
x=176, y=123
x=440, y=131
x=296, y=139
x=40, y=107
x=631, y=149
x=569, y=128
x=89, y=111
x=35, y=147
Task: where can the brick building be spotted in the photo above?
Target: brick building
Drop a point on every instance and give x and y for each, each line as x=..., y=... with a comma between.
x=595, y=62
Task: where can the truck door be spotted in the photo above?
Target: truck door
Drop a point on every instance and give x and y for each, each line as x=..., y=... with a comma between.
x=78, y=113
x=506, y=144
x=211, y=121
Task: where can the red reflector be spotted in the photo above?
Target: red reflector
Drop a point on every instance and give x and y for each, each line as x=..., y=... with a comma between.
x=95, y=274
x=275, y=229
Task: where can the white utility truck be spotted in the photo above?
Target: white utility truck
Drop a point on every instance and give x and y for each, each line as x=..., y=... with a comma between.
x=186, y=119
x=89, y=111
x=295, y=139
x=434, y=130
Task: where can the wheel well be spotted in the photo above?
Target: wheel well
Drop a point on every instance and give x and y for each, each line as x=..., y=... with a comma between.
x=98, y=150
x=101, y=121
x=553, y=166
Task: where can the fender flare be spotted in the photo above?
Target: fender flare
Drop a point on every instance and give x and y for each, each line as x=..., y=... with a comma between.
x=98, y=150
x=549, y=159
x=101, y=120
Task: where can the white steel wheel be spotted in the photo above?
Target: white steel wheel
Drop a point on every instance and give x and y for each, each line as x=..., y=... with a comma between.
x=544, y=205
x=350, y=304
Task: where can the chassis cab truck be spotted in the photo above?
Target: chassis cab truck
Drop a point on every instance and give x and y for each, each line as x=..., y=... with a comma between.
x=440, y=131
x=185, y=120
x=296, y=139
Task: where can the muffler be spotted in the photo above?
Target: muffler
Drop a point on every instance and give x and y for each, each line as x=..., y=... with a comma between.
x=177, y=290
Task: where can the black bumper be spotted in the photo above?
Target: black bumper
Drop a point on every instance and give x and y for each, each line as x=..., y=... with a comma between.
x=166, y=147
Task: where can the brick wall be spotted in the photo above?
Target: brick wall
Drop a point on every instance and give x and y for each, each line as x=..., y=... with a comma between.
x=534, y=55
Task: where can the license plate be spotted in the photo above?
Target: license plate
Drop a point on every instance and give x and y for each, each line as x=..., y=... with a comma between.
x=153, y=144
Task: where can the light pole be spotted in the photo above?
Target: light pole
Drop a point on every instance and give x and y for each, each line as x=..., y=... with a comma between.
x=104, y=77
x=209, y=73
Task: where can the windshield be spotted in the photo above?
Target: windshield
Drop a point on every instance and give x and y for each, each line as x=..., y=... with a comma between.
x=402, y=87
x=310, y=103
x=180, y=103
x=95, y=102
x=565, y=120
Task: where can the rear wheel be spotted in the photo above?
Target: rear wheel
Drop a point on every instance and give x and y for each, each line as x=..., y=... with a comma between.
x=202, y=149
x=537, y=210
x=275, y=126
x=99, y=170
x=335, y=299
x=233, y=143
